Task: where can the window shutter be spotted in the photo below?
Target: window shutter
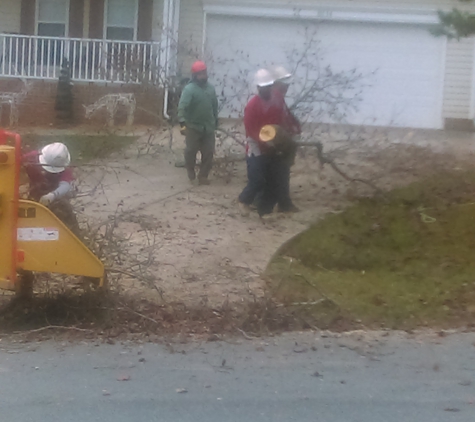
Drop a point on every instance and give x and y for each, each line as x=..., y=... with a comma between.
x=76, y=18
x=27, y=17
x=144, y=24
x=96, y=19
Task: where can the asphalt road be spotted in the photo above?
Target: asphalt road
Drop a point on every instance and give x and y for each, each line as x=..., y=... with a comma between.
x=296, y=377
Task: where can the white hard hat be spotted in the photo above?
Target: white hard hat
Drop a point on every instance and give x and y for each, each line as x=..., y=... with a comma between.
x=263, y=78
x=281, y=74
x=54, y=158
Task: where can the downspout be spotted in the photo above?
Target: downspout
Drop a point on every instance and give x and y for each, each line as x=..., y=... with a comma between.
x=166, y=50
x=165, y=104
x=171, y=22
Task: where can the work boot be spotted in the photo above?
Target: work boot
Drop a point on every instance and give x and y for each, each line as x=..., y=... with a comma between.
x=290, y=209
x=268, y=218
x=244, y=209
x=191, y=174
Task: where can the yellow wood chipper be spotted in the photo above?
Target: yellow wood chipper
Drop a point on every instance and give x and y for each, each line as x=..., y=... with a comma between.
x=32, y=238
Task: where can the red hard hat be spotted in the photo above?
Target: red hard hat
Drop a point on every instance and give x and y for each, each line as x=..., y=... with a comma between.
x=198, y=66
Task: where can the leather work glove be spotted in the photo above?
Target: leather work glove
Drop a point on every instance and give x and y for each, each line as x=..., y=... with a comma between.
x=183, y=128
x=47, y=199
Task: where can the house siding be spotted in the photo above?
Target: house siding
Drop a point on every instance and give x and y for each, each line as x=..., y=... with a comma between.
x=10, y=11
x=458, y=95
x=190, y=34
x=459, y=62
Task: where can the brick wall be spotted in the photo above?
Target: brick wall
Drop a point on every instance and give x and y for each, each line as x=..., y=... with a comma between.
x=37, y=108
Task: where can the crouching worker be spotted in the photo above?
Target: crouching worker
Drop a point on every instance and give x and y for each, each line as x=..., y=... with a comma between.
x=50, y=181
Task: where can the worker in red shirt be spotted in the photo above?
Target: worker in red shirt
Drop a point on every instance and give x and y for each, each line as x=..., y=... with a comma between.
x=50, y=180
x=262, y=109
x=280, y=172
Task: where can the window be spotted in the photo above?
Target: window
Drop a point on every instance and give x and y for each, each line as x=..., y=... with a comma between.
x=121, y=20
x=52, y=17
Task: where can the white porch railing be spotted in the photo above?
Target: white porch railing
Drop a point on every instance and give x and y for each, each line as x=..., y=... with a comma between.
x=34, y=57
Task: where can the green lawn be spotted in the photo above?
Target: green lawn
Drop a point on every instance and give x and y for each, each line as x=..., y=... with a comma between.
x=400, y=262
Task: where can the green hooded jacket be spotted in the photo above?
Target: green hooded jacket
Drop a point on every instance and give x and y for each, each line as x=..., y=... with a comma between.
x=198, y=107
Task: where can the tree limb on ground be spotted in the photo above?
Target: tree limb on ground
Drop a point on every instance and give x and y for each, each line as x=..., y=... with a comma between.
x=325, y=159
x=53, y=327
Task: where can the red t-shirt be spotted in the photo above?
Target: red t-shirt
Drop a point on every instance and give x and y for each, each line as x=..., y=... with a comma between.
x=43, y=182
x=260, y=112
x=274, y=111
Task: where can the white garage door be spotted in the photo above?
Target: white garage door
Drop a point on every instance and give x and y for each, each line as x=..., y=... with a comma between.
x=405, y=63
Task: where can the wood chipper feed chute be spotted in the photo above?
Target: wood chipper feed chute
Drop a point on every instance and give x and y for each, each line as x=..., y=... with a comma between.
x=32, y=238
x=45, y=244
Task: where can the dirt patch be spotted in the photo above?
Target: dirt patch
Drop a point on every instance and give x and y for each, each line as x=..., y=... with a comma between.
x=192, y=244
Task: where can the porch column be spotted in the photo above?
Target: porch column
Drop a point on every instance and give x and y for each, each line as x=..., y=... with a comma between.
x=96, y=19
x=87, y=11
x=27, y=17
x=76, y=18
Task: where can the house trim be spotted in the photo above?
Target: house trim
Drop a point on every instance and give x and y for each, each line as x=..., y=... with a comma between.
x=204, y=35
x=427, y=17
x=443, y=69
x=472, y=91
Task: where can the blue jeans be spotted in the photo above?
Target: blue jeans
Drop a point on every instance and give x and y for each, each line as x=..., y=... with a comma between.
x=268, y=183
x=257, y=173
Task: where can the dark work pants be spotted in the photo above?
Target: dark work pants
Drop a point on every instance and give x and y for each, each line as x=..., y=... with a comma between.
x=204, y=142
x=277, y=186
x=281, y=177
x=257, y=169
x=65, y=212
x=268, y=183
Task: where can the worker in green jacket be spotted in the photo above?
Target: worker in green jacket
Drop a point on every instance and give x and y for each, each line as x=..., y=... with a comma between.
x=198, y=116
